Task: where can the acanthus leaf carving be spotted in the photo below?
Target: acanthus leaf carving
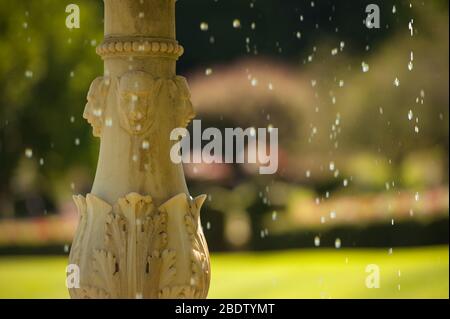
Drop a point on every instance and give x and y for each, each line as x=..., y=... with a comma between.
x=135, y=260
x=106, y=270
x=201, y=269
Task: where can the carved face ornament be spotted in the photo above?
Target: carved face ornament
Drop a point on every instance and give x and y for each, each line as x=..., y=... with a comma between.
x=94, y=111
x=135, y=105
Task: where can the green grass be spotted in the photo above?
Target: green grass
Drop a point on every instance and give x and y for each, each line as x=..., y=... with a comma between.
x=424, y=273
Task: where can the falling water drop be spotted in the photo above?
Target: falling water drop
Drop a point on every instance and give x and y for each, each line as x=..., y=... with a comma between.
x=332, y=166
x=204, y=26
x=337, y=243
x=365, y=67
x=29, y=153
x=317, y=241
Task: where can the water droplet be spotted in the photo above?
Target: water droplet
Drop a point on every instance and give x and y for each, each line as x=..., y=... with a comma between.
x=317, y=241
x=146, y=145
x=410, y=27
x=29, y=153
x=109, y=122
x=332, y=166
x=28, y=74
x=337, y=243
x=336, y=173
x=98, y=112
x=204, y=26
x=397, y=82
x=365, y=67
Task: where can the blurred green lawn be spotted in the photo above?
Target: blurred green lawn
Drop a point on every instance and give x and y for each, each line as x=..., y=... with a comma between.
x=406, y=273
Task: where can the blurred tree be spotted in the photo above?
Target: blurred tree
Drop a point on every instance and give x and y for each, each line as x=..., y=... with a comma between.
x=45, y=71
x=46, y=147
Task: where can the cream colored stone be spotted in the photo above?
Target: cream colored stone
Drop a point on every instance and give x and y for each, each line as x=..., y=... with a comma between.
x=139, y=234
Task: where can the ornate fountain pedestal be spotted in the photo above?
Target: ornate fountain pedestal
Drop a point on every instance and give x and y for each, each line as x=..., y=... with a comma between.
x=139, y=234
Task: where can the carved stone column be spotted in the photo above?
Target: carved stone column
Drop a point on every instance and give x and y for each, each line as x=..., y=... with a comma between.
x=139, y=233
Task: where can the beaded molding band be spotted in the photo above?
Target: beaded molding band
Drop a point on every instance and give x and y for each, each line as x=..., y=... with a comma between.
x=144, y=47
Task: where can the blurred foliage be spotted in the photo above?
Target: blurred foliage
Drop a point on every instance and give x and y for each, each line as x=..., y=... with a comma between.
x=349, y=146
x=46, y=69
